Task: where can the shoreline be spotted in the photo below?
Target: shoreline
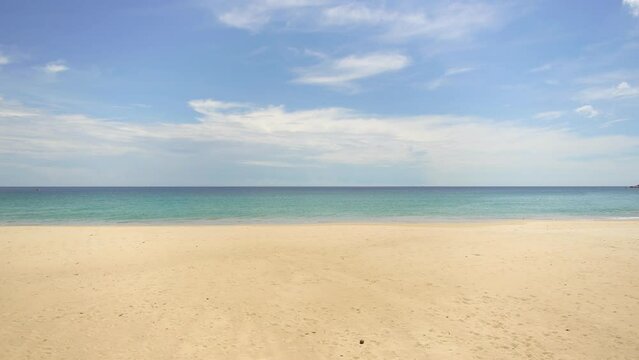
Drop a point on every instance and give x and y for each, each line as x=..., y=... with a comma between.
x=204, y=223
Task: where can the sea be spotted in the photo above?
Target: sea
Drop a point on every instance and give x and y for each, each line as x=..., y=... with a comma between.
x=247, y=205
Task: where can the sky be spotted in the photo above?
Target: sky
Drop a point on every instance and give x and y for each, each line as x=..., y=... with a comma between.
x=319, y=93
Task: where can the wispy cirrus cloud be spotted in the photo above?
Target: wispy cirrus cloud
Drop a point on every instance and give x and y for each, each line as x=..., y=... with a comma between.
x=609, y=123
x=214, y=106
x=542, y=68
x=344, y=72
x=443, y=22
x=4, y=60
x=254, y=15
x=588, y=111
x=442, y=80
x=452, y=21
x=633, y=6
x=548, y=115
x=55, y=67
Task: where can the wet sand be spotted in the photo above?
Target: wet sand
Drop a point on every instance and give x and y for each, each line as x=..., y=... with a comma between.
x=495, y=290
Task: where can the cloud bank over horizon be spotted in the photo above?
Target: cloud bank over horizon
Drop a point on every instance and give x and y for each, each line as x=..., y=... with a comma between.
x=441, y=147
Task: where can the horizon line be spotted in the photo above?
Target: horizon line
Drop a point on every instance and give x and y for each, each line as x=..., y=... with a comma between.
x=303, y=186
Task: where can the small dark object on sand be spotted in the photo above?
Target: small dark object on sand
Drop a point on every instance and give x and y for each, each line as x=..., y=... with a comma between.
x=361, y=341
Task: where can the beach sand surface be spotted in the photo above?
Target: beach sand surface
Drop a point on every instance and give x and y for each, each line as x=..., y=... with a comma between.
x=489, y=290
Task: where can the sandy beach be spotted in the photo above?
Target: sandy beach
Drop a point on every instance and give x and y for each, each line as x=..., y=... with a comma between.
x=493, y=290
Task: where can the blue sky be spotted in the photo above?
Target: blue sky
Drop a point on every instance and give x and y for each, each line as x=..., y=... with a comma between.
x=319, y=92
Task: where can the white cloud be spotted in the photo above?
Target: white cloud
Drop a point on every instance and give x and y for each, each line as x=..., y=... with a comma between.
x=253, y=15
x=450, y=149
x=587, y=111
x=448, y=22
x=440, y=81
x=548, y=115
x=344, y=71
x=356, y=13
x=55, y=67
x=315, y=54
x=451, y=21
x=13, y=113
x=248, y=20
x=4, y=60
x=633, y=6
x=208, y=106
x=621, y=90
x=625, y=90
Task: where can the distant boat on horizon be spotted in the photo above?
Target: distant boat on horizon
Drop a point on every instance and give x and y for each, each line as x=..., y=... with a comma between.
x=634, y=186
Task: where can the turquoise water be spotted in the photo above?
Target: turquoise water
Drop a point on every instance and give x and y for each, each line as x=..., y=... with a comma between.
x=300, y=204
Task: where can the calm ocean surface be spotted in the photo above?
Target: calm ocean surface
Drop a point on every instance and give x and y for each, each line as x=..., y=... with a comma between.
x=307, y=204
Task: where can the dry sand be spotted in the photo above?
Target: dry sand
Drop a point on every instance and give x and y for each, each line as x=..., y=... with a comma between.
x=501, y=290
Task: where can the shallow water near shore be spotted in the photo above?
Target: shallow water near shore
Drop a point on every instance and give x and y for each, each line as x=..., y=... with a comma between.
x=153, y=205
